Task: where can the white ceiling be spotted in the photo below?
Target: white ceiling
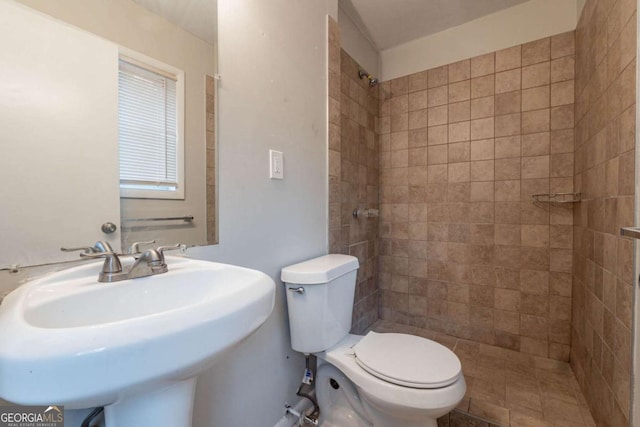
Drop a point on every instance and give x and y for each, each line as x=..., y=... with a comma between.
x=199, y=17
x=388, y=23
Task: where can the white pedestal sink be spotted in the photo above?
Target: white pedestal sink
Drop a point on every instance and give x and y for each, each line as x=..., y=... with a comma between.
x=134, y=347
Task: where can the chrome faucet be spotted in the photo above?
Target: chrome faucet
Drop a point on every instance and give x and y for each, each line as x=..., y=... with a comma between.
x=148, y=263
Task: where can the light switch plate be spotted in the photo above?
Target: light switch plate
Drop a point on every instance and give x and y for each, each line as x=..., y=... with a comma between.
x=276, y=164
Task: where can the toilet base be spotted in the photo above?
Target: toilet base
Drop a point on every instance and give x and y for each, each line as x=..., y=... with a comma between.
x=344, y=405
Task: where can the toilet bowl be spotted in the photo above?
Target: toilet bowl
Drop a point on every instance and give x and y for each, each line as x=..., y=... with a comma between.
x=378, y=399
x=379, y=380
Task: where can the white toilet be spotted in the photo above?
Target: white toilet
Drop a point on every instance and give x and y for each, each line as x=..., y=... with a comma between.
x=380, y=380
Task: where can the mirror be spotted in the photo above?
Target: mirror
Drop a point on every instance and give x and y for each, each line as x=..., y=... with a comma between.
x=61, y=109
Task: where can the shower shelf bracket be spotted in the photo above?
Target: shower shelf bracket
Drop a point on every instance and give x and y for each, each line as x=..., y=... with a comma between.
x=556, y=197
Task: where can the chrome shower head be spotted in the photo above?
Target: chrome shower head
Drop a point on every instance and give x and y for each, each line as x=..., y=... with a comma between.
x=372, y=80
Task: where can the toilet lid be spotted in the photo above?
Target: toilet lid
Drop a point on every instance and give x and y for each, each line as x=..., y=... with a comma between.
x=407, y=360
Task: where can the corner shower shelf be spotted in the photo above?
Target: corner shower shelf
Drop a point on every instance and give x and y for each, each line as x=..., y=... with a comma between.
x=556, y=197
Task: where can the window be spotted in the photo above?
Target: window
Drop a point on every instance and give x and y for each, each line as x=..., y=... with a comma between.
x=150, y=130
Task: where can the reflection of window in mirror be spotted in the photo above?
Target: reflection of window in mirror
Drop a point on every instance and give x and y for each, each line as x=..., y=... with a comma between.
x=150, y=129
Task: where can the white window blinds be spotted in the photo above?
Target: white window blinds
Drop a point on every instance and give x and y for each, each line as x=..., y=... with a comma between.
x=147, y=129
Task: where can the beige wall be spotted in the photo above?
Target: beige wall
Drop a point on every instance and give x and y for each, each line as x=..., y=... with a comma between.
x=353, y=174
x=604, y=172
x=464, y=250
x=357, y=45
x=526, y=22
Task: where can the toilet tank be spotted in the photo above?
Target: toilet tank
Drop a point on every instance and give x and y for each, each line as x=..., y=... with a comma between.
x=320, y=296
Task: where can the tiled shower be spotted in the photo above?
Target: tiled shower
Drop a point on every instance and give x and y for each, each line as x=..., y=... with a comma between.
x=462, y=249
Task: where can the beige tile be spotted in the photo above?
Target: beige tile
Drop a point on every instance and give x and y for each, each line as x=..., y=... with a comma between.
x=438, y=76
x=562, y=141
x=460, y=91
x=507, y=299
x=536, y=51
x=399, y=122
x=438, y=96
x=508, y=59
x=562, y=117
x=400, y=158
x=535, y=167
x=399, y=104
x=536, y=75
x=459, y=132
x=561, y=165
x=509, y=102
x=508, y=147
x=460, y=111
x=482, y=86
x=507, y=213
x=482, y=107
x=507, y=235
x=417, y=100
x=437, y=135
x=507, y=191
x=417, y=119
x=508, y=125
x=418, y=82
x=399, y=86
x=482, y=149
x=482, y=128
x=563, y=69
x=536, y=144
x=437, y=116
x=437, y=174
x=536, y=121
x=418, y=156
x=482, y=170
x=481, y=191
x=459, y=71
x=535, y=236
x=459, y=152
x=560, y=411
x=507, y=169
x=483, y=65
x=508, y=81
x=399, y=140
x=562, y=93
x=437, y=155
x=459, y=172
x=534, y=346
x=538, y=97
x=563, y=44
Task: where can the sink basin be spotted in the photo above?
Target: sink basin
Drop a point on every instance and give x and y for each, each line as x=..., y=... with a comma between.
x=133, y=346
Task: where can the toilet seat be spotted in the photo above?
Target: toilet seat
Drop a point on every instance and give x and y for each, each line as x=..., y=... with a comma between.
x=407, y=360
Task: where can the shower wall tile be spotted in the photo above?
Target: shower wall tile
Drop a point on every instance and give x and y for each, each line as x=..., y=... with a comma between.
x=601, y=151
x=463, y=248
x=354, y=164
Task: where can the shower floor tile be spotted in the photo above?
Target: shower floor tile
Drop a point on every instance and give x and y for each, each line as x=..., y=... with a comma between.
x=507, y=388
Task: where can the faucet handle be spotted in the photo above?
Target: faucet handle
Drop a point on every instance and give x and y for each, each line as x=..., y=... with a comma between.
x=161, y=249
x=86, y=249
x=134, y=249
x=111, y=263
x=99, y=247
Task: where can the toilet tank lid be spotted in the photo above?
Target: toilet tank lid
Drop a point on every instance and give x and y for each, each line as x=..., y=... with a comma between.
x=319, y=270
